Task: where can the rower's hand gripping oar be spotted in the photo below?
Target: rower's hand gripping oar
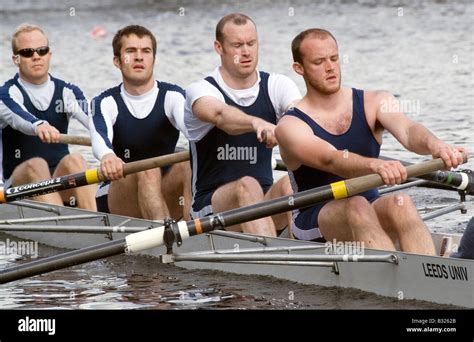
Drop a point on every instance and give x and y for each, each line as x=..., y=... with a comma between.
x=462, y=180
x=182, y=230
x=87, y=177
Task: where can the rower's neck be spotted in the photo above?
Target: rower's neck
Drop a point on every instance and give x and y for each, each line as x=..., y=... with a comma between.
x=138, y=89
x=34, y=80
x=325, y=102
x=238, y=82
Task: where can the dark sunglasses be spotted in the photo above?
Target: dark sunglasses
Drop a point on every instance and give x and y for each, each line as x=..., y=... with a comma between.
x=41, y=51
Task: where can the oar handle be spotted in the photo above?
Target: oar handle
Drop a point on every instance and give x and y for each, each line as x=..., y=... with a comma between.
x=361, y=184
x=152, y=163
x=75, y=140
x=461, y=180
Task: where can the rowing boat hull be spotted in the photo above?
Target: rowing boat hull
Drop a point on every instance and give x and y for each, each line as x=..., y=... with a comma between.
x=434, y=279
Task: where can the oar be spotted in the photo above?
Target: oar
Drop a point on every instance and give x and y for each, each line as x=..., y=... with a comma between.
x=74, y=140
x=182, y=230
x=460, y=180
x=87, y=177
x=447, y=180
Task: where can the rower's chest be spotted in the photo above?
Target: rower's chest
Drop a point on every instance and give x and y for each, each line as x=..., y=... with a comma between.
x=337, y=122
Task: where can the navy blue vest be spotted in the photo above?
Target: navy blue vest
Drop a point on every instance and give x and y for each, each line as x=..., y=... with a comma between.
x=214, y=171
x=136, y=139
x=19, y=147
x=358, y=139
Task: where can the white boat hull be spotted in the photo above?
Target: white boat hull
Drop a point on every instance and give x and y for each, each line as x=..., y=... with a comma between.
x=434, y=279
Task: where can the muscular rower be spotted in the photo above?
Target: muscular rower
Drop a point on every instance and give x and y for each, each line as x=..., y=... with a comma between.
x=335, y=133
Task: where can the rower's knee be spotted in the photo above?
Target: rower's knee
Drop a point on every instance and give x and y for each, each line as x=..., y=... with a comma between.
x=182, y=169
x=402, y=201
x=149, y=176
x=358, y=209
x=285, y=186
x=401, y=204
x=73, y=162
x=249, y=189
x=402, y=213
x=36, y=168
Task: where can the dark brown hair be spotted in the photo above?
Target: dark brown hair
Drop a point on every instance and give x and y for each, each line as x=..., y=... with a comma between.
x=137, y=30
x=234, y=18
x=313, y=32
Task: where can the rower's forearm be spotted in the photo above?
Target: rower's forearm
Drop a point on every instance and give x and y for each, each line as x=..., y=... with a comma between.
x=233, y=121
x=348, y=165
x=421, y=140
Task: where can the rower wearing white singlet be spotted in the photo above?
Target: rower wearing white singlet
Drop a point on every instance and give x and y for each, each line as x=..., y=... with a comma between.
x=230, y=117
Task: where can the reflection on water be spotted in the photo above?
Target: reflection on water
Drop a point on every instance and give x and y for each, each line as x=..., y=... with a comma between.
x=421, y=51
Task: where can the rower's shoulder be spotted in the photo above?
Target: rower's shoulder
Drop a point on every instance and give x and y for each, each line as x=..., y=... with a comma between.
x=293, y=117
x=202, y=83
x=170, y=87
x=376, y=96
x=280, y=80
x=8, y=84
x=107, y=93
x=78, y=93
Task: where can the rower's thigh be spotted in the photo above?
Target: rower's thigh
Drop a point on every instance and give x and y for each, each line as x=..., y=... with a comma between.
x=176, y=188
x=333, y=221
x=395, y=210
x=281, y=188
x=122, y=197
x=31, y=170
x=243, y=191
x=70, y=163
x=176, y=180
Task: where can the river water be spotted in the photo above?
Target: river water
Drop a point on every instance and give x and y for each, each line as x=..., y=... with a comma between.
x=422, y=51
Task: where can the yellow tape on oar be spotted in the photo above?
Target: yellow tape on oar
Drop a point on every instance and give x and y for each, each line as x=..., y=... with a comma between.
x=92, y=176
x=339, y=189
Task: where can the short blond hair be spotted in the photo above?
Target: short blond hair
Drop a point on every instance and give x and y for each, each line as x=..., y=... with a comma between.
x=25, y=28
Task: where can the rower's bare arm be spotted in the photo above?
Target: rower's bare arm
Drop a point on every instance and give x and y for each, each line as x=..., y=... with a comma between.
x=412, y=135
x=299, y=146
x=232, y=120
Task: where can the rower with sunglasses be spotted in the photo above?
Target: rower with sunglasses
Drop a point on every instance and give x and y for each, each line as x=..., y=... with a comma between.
x=35, y=108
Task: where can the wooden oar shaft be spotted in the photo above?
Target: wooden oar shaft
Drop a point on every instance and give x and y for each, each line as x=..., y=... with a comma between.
x=155, y=237
x=91, y=176
x=147, y=164
x=75, y=140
